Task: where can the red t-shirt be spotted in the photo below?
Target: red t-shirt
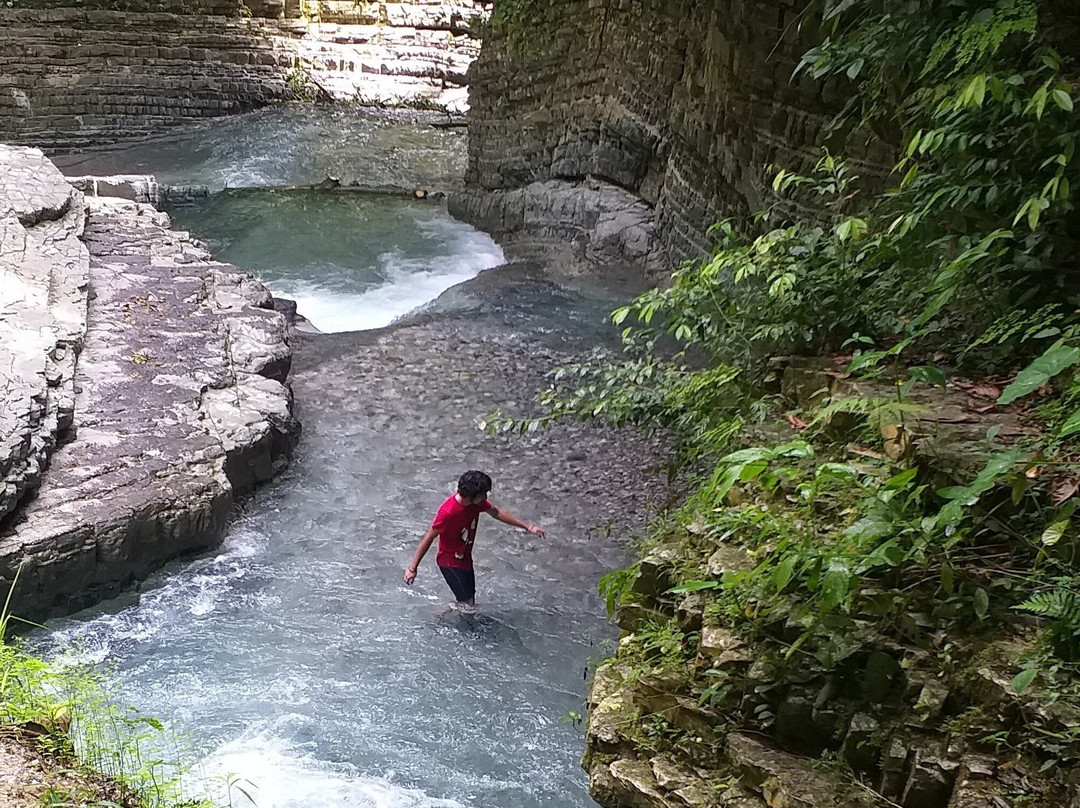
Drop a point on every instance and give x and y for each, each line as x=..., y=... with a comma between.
x=456, y=524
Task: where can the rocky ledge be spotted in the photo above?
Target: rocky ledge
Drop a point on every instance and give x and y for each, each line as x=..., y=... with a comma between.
x=144, y=389
x=586, y=227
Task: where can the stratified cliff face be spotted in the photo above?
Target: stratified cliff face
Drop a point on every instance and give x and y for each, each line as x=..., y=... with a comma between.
x=74, y=76
x=683, y=102
x=77, y=73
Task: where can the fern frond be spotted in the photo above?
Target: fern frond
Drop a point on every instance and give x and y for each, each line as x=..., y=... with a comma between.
x=1048, y=604
x=1062, y=606
x=878, y=410
x=1021, y=325
x=981, y=36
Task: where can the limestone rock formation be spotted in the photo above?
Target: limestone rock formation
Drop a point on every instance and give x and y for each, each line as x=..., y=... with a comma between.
x=176, y=405
x=43, y=288
x=414, y=53
x=586, y=227
x=683, y=104
x=76, y=74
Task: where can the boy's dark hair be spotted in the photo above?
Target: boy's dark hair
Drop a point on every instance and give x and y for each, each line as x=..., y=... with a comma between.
x=474, y=484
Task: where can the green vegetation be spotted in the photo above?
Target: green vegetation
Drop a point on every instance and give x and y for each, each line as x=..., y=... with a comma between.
x=821, y=535
x=519, y=22
x=102, y=755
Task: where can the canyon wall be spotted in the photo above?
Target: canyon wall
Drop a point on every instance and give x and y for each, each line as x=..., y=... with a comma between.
x=684, y=103
x=73, y=77
x=76, y=75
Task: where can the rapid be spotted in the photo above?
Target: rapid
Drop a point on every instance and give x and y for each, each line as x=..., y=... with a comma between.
x=293, y=659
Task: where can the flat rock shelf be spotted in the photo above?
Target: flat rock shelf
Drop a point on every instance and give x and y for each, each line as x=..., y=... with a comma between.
x=147, y=378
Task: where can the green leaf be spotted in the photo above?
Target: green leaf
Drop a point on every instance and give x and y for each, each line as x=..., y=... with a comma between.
x=865, y=360
x=975, y=92
x=1025, y=210
x=1056, y=359
x=842, y=471
x=999, y=464
x=1052, y=535
x=913, y=144
x=928, y=375
x=1024, y=679
x=1019, y=488
x=1071, y=426
x=981, y=603
x=900, y=480
x=947, y=579
x=782, y=573
x=835, y=585
x=694, y=586
x=1063, y=100
x=910, y=176
x=752, y=469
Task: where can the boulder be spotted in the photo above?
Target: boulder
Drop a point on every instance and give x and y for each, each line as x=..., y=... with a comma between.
x=670, y=774
x=690, y=612
x=788, y=781
x=635, y=786
x=861, y=747
x=931, y=779
x=728, y=558
x=720, y=648
x=609, y=721
x=654, y=576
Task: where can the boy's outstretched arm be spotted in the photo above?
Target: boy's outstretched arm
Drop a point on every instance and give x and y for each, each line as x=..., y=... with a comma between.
x=510, y=519
x=418, y=556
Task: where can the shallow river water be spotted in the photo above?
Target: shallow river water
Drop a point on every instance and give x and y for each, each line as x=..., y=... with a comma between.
x=293, y=657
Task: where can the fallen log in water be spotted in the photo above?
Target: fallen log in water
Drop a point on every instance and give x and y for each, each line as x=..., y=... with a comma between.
x=334, y=185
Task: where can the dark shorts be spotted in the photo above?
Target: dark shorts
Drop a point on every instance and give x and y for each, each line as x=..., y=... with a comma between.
x=462, y=582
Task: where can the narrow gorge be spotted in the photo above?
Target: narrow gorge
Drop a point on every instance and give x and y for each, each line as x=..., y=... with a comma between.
x=274, y=274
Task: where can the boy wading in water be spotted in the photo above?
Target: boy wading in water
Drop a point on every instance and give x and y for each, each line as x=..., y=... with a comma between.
x=455, y=525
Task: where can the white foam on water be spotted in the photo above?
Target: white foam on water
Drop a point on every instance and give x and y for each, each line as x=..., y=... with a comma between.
x=197, y=591
x=408, y=282
x=276, y=775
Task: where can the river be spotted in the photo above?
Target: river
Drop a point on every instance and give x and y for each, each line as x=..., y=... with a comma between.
x=293, y=657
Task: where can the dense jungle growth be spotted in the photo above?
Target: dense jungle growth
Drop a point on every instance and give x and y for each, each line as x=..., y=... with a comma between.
x=889, y=521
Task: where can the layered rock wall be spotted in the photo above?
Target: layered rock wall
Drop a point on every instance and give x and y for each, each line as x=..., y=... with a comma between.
x=683, y=103
x=413, y=53
x=71, y=77
x=82, y=74
x=143, y=389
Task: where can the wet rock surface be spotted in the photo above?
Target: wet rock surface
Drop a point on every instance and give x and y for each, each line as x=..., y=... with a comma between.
x=419, y=387
x=589, y=227
x=178, y=403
